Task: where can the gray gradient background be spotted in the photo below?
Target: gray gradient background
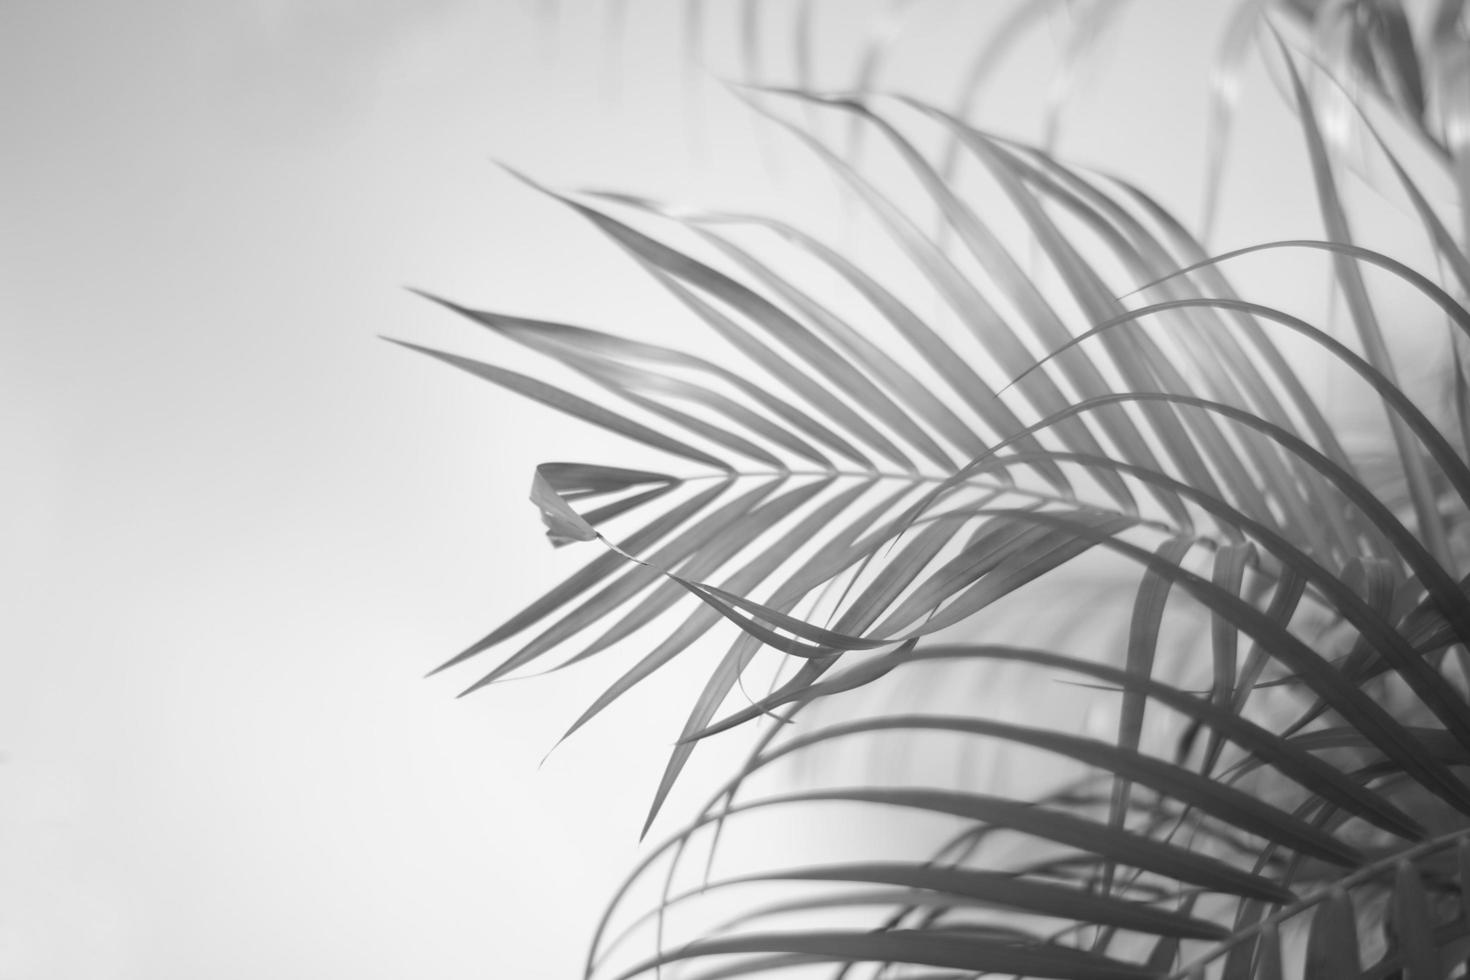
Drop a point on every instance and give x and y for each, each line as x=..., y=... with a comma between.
x=237, y=527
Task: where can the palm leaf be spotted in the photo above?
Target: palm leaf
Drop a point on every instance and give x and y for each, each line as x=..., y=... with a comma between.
x=864, y=483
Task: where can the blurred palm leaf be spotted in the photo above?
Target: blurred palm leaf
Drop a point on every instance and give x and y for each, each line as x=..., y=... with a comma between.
x=872, y=479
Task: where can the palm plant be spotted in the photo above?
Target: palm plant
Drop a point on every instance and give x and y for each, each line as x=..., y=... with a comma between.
x=890, y=447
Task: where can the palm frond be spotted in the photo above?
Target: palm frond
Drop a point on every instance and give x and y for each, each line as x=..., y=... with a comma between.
x=871, y=482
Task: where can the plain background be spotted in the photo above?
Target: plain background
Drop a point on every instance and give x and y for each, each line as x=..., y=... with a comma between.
x=237, y=527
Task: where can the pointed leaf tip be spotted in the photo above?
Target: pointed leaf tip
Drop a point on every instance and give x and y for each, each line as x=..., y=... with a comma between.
x=525, y=178
x=447, y=304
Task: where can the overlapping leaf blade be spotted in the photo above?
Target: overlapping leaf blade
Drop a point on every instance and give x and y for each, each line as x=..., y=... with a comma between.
x=1196, y=429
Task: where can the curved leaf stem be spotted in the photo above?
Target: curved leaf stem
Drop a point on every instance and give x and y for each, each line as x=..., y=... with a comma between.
x=955, y=480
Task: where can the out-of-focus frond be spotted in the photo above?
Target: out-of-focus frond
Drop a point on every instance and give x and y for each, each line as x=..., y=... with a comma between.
x=868, y=459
